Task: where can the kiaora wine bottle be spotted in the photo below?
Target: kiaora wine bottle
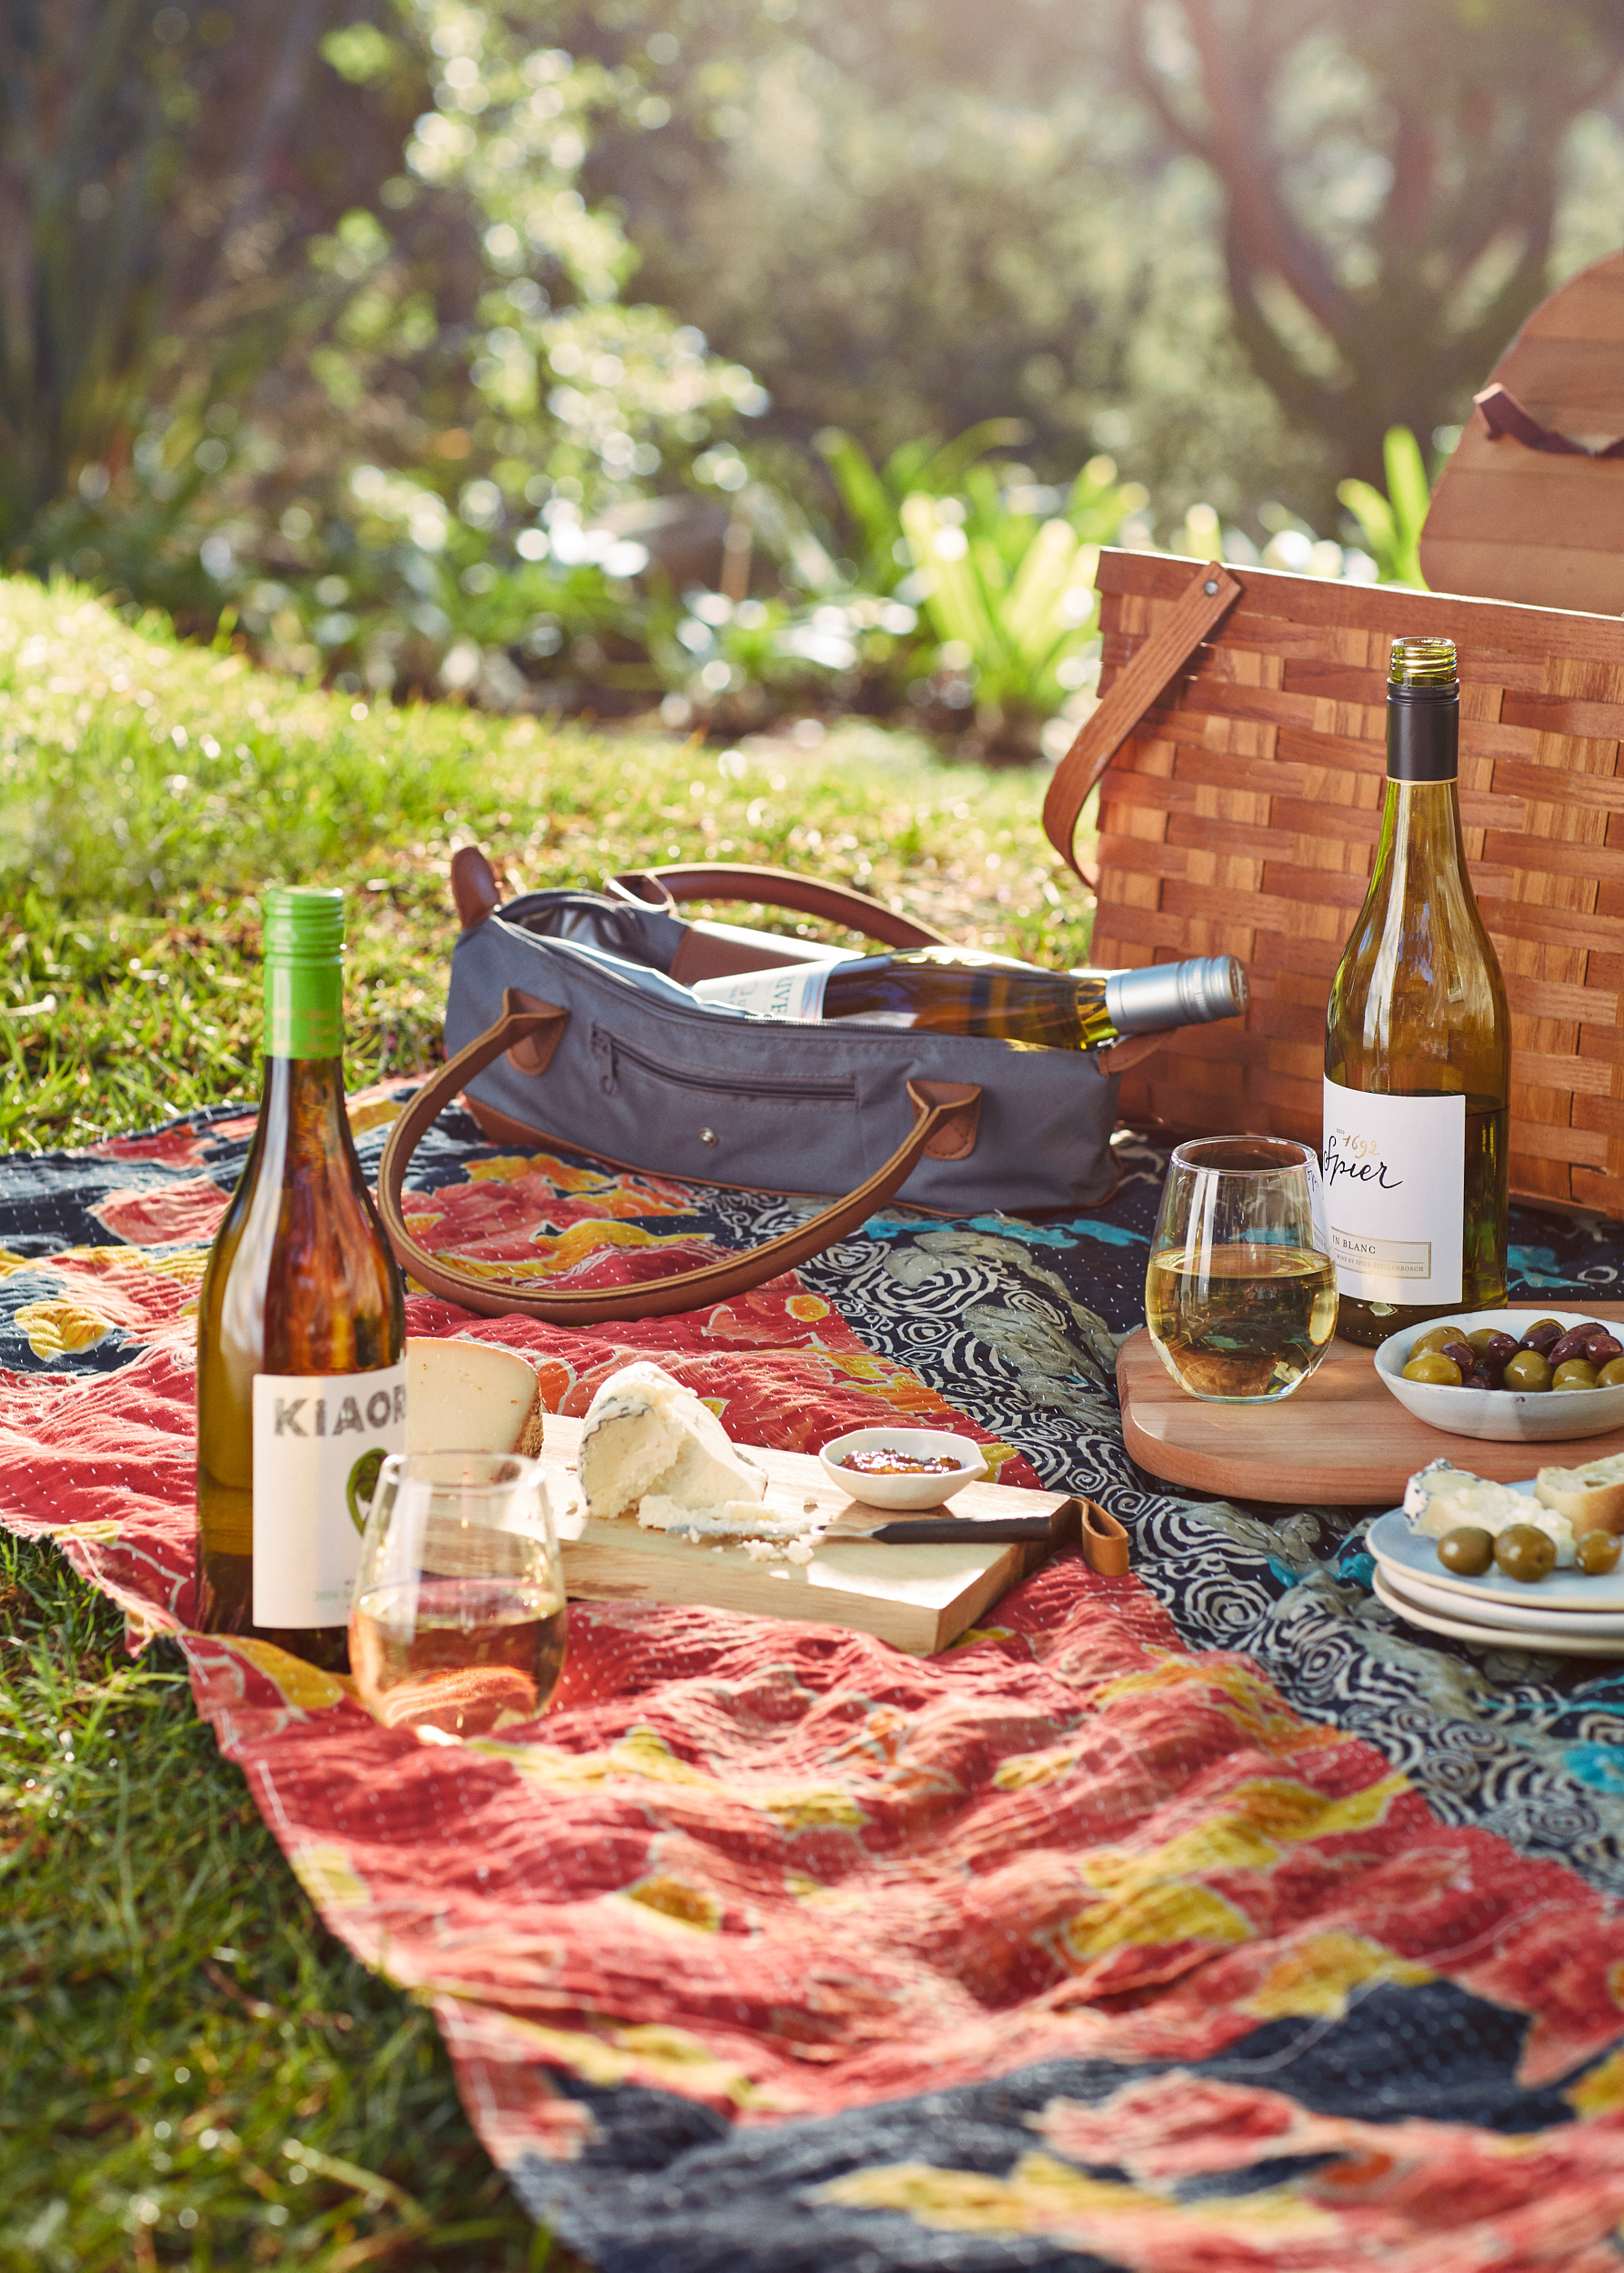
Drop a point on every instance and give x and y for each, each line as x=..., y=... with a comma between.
x=301, y=1328
x=1417, y=1044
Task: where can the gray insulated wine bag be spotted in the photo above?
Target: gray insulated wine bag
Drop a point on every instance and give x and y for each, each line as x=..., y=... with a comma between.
x=569, y=1023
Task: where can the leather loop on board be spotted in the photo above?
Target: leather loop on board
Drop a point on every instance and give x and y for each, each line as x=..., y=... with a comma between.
x=1210, y=595
x=780, y=887
x=945, y=1119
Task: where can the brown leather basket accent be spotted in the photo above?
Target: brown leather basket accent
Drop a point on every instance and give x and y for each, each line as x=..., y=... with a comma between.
x=1240, y=815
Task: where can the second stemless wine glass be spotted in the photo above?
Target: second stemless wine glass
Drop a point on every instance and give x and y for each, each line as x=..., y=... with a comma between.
x=1240, y=1294
x=457, y=1620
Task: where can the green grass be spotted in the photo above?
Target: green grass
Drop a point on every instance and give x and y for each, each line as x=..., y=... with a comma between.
x=179, y=2036
x=147, y=790
x=192, y=2072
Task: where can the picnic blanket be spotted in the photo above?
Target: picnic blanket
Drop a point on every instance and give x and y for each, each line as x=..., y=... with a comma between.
x=1206, y=1919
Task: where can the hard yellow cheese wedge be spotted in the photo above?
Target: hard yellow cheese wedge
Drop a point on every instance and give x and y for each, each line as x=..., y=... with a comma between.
x=468, y=1396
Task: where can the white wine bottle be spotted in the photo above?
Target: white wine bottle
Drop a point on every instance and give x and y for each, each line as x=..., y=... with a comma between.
x=1417, y=1044
x=301, y=1325
x=955, y=990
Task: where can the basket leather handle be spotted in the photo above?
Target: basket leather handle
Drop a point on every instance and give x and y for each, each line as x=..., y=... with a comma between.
x=1210, y=595
x=780, y=887
x=945, y=1125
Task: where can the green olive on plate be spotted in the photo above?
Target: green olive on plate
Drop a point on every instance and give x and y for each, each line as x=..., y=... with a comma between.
x=1434, y=1337
x=1523, y=1552
x=1611, y=1373
x=1577, y=1373
x=1596, y=1552
x=1527, y=1370
x=1434, y=1366
x=1468, y=1550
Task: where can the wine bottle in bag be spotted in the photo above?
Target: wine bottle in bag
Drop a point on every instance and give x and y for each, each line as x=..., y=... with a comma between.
x=301, y=1325
x=1417, y=1044
x=957, y=990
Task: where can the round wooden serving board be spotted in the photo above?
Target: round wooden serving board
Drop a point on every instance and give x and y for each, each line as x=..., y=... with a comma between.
x=1342, y=1439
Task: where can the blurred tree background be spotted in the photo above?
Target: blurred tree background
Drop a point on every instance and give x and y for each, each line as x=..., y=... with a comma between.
x=588, y=352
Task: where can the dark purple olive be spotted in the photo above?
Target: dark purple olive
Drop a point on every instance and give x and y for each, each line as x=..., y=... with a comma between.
x=1542, y=1337
x=1493, y=1348
x=1462, y=1354
x=1603, y=1347
x=1480, y=1378
x=1486, y=1376
x=1573, y=1343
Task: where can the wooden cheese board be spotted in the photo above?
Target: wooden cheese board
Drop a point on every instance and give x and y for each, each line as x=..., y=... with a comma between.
x=921, y=1597
x=1339, y=1440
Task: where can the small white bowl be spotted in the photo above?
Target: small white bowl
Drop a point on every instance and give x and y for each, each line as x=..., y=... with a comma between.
x=907, y=1494
x=1501, y=1415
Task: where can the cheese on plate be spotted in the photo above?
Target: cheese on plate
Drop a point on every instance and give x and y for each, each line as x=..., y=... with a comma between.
x=1441, y=1496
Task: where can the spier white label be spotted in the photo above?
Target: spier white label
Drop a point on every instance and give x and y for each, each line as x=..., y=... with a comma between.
x=792, y=990
x=1394, y=1195
x=319, y=1440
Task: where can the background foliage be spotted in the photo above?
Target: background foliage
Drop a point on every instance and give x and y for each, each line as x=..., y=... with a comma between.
x=496, y=346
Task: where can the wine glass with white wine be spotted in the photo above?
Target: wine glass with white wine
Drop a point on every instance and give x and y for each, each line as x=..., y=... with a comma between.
x=457, y=1621
x=1240, y=1293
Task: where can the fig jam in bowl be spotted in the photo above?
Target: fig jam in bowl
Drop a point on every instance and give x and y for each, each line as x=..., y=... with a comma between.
x=1509, y=1414
x=907, y=1470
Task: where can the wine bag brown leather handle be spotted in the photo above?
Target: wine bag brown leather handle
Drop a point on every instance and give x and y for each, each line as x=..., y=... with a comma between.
x=1210, y=595
x=945, y=1125
x=781, y=887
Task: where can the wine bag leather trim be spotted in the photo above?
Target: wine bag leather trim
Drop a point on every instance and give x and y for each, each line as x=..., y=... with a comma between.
x=1207, y=597
x=779, y=888
x=474, y=891
x=945, y=1116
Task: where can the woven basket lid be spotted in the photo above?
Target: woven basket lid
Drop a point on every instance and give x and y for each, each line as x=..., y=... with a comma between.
x=1529, y=509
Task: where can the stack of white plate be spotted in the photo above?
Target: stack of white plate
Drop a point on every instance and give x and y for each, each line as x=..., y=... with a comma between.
x=1568, y=1614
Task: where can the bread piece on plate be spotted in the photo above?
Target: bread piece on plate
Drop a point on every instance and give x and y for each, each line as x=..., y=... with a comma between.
x=470, y=1397
x=1591, y=1498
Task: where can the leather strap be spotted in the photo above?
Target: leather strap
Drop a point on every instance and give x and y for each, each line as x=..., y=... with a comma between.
x=780, y=887
x=946, y=1114
x=1504, y=415
x=1210, y=595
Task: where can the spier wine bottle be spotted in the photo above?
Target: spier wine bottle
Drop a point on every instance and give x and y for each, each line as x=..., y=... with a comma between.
x=1416, y=1045
x=954, y=990
x=301, y=1326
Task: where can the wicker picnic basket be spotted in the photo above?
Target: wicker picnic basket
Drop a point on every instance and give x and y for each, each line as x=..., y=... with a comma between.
x=1239, y=750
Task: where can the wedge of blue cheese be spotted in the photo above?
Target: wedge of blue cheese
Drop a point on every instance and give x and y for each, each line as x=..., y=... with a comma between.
x=1440, y=1496
x=651, y=1448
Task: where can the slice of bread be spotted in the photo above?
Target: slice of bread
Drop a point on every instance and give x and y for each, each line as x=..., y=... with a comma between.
x=1591, y=1498
x=470, y=1397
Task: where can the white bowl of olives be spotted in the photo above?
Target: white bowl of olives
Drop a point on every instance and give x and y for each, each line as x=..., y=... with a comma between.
x=1510, y=1375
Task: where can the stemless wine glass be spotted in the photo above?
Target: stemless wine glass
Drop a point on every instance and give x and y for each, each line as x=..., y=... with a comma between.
x=458, y=1620
x=1240, y=1294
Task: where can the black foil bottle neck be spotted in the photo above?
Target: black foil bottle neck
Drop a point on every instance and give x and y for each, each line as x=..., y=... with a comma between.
x=1423, y=733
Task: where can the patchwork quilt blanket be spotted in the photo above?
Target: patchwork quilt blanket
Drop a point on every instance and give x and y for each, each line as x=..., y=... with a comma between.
x=1210, y=1918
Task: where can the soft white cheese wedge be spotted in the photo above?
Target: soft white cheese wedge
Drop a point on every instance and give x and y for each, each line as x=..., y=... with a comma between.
x=470, y=1397
x=1441, y=1496
x=650, y=1444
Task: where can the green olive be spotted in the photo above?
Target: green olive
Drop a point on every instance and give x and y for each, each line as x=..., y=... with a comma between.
x=1611, y=1373
x=1481, y=1336
x=1434, y=1366
x=1527, y=1370
x=1434, y=1337
x=1468, y=1550
x=1577, y=1373
x=1596, y=1552
x=1522, y=1552
x=1540, y=1325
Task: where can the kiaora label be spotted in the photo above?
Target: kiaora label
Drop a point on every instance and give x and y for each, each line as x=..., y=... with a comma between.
x=1394, y=1195
x=319, y=1440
